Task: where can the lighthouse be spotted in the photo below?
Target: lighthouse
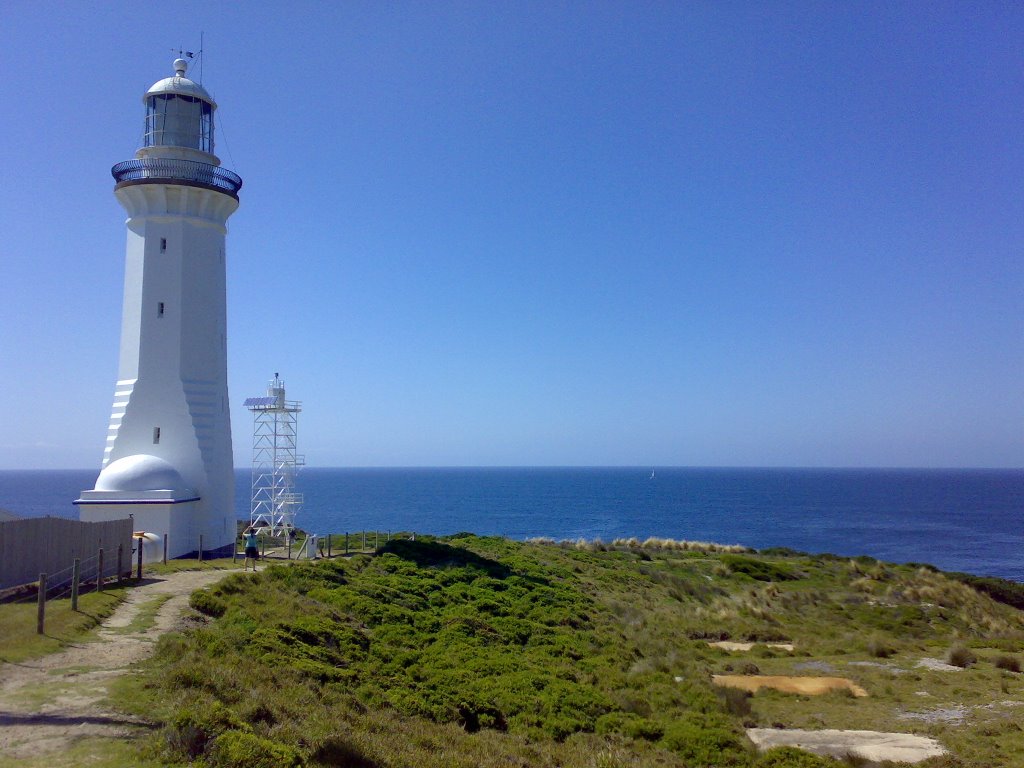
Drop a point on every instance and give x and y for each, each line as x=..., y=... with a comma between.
x=168, y=460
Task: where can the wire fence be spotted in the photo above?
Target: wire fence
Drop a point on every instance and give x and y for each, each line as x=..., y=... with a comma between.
x=310, y=546
x=90, y=572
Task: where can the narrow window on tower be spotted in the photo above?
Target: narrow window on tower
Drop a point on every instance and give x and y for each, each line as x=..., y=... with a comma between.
x=163, y=245
x=156, y=435
x=160, y=309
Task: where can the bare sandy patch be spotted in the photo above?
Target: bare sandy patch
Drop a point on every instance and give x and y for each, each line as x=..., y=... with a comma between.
x=729, y=645
x=808, y=686
x=868, y=745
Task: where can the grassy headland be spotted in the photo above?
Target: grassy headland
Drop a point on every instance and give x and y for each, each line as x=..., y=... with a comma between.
x=470, y=651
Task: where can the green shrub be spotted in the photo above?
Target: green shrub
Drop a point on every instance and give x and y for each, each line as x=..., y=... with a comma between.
x=781, y=552
x=642, y=728
x=336, y=751
x=237, y=749
x=705, y=740
x=1008, y=663
x=205, y=603
x=736, y=701
x=960, y=656
x=761, y=570
x=193, y=728
x=791, y=757
x=629, y=724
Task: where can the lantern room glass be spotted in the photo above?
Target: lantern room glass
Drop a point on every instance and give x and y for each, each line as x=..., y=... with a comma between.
x=176, y=120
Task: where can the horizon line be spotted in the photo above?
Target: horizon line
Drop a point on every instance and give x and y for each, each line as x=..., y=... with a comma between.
x=876, y=467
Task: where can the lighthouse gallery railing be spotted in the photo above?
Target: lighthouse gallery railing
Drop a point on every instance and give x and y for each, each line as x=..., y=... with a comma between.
x=160, y=169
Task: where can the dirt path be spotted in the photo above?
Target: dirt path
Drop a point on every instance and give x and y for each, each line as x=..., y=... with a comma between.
x=50, y=702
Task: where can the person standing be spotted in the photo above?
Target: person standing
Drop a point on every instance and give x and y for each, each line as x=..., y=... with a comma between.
x=252, y=549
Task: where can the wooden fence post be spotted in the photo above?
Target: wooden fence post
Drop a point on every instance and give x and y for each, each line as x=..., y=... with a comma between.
x=120, y=563
x=328, y=546
x=376, y=540
x=41, y=604
x=76, y=573
x=346, y=542
x=364, y=542
x=165, y=549
x=200, y=547
x=99, y=572
x=138, y=573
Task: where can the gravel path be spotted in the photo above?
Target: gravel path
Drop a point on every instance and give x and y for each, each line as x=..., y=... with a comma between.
x=50, y=702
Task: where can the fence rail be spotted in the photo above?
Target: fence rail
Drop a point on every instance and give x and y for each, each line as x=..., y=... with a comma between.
x=51, y=544
x=158, y=169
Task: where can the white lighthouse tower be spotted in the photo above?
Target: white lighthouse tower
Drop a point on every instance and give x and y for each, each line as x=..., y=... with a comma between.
x=168, y=459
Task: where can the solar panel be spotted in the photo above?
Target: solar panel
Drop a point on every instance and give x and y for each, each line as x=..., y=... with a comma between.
x=260, y=401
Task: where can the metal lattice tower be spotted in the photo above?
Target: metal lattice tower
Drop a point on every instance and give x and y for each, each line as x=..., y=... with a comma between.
x=274, y=460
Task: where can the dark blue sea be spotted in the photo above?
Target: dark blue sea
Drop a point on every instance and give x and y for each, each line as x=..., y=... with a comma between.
x=962, y=520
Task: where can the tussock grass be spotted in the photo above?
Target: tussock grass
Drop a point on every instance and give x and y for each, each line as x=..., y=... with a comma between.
x=633, y=543
x=679, y=545
x=960, y=656
x=1007, y=663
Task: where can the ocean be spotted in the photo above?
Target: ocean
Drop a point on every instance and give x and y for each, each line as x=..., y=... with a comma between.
x=961, y=520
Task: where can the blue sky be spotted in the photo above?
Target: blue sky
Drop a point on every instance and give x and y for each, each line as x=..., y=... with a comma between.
x=765, y=234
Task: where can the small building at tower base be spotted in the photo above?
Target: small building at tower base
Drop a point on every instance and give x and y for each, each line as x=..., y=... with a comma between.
x=152, y=492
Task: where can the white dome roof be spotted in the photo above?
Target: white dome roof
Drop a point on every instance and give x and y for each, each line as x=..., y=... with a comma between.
x=179, y=85
x=140, y=472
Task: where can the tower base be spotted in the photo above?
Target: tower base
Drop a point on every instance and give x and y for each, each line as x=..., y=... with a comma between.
x=172, y=518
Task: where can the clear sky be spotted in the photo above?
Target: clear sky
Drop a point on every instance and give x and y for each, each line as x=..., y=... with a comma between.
x=548, y=233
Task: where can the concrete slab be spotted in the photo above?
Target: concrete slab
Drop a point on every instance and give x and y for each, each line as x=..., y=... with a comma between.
x=729, y=645
x=868, y=745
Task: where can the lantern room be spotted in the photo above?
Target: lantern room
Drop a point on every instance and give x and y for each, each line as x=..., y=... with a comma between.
x=179, y=113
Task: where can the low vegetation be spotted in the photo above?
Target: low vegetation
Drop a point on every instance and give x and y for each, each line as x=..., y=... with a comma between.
x=471, y=651
x=19, y=640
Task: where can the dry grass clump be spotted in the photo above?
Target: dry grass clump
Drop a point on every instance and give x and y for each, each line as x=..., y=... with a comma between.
x=960, y=655
x=880, y=648
x=975, y=609
x=928, y=588
x=864, y=584
x=1008, y=663
x=652, y=542
x=679, y=545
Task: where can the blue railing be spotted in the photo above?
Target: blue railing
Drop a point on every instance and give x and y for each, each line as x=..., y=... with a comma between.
x=157, y=169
